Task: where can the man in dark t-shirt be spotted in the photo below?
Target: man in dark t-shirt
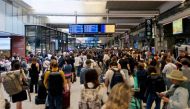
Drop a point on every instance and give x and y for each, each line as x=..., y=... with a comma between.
x=182, y=55
x=124, y=63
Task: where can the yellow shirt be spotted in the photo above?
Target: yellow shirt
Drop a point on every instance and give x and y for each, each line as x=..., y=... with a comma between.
x=54, y=70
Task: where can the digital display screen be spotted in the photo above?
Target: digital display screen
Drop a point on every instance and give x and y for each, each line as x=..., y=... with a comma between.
x=75, y=28
x=90, y=28
x=107, y=28
x=177, y=26
x=5, y=43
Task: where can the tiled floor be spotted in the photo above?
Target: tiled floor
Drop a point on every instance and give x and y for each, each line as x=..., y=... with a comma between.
x=75, y=96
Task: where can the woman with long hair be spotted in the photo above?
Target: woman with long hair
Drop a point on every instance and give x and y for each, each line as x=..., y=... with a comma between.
x=119, y=98
x=67, y=68
x=93, y=92
x=34, y=74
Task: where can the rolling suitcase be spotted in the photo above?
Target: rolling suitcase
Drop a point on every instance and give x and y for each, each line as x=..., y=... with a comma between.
x=66, y=100
x=39, y=101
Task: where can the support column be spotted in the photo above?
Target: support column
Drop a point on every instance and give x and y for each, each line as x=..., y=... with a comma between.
x=161, y=43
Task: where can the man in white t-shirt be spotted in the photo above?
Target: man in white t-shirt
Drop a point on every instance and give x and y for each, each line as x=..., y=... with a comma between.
x=77, y=64
x=109, y=74
x=46, y=64
x=168, y=68
x=106, y=57
x=83, y=57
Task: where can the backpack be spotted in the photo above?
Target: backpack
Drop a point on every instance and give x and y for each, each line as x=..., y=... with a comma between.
x=90, y=99
x=135, y=103
x=12, y=83
x=158, y=84
x=55, y=83
x=116, y=78
x=98, y=69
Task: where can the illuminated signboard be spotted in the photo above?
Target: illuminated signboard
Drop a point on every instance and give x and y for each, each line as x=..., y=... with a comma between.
x=90, y=28
x=177, y=26
x=75, y=28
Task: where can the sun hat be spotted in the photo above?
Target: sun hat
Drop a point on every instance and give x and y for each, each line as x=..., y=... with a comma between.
x=176, y=75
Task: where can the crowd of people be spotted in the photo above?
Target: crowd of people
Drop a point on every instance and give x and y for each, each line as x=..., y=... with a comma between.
x=111, y=78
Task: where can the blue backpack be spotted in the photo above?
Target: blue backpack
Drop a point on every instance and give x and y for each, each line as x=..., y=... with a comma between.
x=117, y=78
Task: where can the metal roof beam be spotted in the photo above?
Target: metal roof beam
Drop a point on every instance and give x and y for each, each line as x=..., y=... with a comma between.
x=99, y=14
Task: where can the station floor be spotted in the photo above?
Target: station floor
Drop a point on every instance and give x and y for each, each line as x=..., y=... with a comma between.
x=75, y=97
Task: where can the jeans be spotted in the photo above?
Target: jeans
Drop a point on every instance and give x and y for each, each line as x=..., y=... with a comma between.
x=151, y=98
x=55, y=102
x=78, y=70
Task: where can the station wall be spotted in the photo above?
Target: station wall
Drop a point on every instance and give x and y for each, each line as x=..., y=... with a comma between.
x=13, y=18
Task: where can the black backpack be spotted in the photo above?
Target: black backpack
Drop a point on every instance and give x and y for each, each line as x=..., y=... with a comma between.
x=116, y=78
x=55, y=83
x=158, y=84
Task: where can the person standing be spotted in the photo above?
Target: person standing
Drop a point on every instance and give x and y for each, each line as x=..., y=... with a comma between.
x=169, y=67
x=21, y=96
x=55, y=83
x=84, y=70
x=46, y=64
x=125, y=65
x=34, y=75
x=182, y=55
x=67, y=67
x=155, y=83
x=178, y=95
x=111, y=73
x=77, y=64
x=93, y=92
x=141, y=78
x=119, y=97
x=185, y=68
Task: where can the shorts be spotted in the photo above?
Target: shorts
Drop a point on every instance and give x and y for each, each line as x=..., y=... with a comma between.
x=21, y=96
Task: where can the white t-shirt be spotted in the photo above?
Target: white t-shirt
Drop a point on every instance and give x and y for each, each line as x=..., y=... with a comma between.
x=83, y=57
x=106, y=57
x=46, y=64
x=77, y=61
x=93, y=63
x=109, y=75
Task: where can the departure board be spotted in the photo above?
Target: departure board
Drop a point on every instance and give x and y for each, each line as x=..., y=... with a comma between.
x=107, y=28
x=75, y=28
x=90, y=28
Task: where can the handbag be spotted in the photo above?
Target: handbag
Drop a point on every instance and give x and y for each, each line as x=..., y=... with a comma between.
x=25, y=85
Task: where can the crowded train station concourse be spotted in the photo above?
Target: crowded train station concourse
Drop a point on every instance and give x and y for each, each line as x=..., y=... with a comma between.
x=94, y=54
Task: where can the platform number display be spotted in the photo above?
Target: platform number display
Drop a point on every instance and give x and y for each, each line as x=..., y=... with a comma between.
x=148, y=28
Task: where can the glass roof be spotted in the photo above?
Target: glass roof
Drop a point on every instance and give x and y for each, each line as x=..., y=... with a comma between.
x=68, y=7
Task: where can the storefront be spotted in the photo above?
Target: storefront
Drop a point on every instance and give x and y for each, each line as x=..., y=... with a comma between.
x=41, y=39
x=177, y=33
x=11, y=44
